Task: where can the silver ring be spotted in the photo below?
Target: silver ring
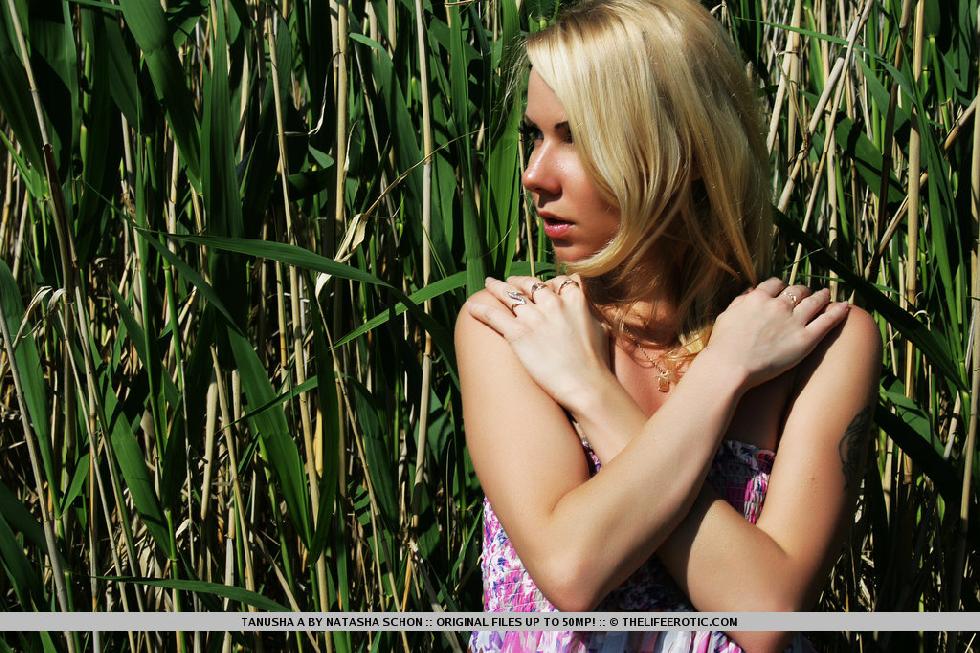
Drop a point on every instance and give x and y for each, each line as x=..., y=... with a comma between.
x=536, y=286
x=518, y=297
x=792, y=297
x=565, y=283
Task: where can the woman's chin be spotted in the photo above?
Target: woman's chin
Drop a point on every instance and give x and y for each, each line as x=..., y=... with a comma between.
x=568, y=252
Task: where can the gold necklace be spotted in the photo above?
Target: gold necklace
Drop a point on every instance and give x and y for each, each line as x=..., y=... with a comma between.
x=664, y=376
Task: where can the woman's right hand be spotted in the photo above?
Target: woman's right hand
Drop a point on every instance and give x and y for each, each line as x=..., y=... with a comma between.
x=771, y=328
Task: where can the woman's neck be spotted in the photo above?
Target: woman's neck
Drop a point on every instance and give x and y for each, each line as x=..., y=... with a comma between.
x=645, y=323
x=648, y=312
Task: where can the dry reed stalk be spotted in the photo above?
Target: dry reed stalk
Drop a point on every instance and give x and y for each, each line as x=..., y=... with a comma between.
x=969, y=448
x=299, y=353
x=829, y=150
x=810, y=205
x=793, y=113
x=7, y=197
x=426, y=255
x=93, y=568
x=237, y=512
x=243, y=105
x=229, y=578
x=832, y=86
x=18, y=245
x=886, y=148
x=211, y=419
x=792, y=43
x=903, y=511
x=392, y=33
x=340, y=50
x=915, y=168
x=896, y=220
x=281, y=323
x=835, y=81
x=336, y=226
x=56, y=202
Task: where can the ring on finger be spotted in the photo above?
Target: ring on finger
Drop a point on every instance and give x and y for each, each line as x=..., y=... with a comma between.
x=565, y=283
x=518, y=297
x=792, y=297
x=536, y=286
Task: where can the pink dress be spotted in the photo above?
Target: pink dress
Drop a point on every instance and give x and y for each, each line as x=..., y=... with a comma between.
x=739, y=471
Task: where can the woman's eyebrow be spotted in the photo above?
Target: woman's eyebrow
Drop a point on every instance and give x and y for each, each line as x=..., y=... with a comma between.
x=558, y=125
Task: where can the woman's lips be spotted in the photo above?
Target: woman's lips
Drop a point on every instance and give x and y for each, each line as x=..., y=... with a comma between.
x=556, y=229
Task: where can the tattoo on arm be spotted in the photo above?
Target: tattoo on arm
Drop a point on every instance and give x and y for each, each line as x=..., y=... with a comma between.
x=851, y=446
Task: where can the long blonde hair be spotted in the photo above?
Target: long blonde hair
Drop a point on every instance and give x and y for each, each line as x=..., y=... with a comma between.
x=666, y=123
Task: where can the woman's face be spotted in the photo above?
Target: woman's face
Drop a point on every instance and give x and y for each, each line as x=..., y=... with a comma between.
x=575, y=217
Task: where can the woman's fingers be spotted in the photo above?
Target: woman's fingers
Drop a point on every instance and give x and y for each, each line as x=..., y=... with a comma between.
x=508, y=294
x=563, y=284
x=809, y=307
x=831, y=317
x=793, y=295
x=537, y=291
x=771, y=287
x=544, y=293
x=497, y=316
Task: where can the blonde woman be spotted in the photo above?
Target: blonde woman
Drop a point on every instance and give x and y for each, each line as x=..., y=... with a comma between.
x=597, y=405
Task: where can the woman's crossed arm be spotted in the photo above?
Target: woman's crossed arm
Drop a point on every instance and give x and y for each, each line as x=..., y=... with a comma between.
x=580, y=537
x=723, y=562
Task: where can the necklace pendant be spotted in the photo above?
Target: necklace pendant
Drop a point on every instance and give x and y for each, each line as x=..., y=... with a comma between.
x=663, y=382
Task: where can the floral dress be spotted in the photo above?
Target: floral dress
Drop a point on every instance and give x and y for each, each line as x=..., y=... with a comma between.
x=739, y=471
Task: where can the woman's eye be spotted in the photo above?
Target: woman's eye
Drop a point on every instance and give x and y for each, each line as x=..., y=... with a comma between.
x=530, y=133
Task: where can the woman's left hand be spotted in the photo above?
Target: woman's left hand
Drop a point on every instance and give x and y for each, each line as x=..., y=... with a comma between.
x=551, y=330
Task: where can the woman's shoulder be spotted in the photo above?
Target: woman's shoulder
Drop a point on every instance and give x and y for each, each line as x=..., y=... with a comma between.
x=478, y=344
x=468, y=328
x=837, y=383
x=855, y=345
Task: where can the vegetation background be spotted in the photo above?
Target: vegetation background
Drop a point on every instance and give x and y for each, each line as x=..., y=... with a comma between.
x=234, y=238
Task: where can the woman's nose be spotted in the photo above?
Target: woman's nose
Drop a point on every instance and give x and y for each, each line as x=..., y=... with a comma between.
x=540, y=176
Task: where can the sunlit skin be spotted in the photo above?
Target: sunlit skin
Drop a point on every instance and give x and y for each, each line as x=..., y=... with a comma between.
x=535, y=380
x=557, y=179
x=562, y=189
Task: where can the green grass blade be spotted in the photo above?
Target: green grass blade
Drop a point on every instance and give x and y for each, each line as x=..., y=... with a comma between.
x=20, y=571
x=130, y=458
x=29, y=364
x=243, y=596
x=19, y=518
x=431, y=291
x=148, y=24
x=274, y=433
x=15, y=97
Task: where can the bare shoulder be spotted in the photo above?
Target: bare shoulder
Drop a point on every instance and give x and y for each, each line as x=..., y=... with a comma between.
x=823, y=448
x=524, y=449
x=832, y=405
x=852, y=350
x=471, y=331
x=860, y=332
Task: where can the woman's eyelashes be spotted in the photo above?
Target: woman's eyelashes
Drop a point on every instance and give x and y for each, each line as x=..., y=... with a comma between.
x=564, y=132
x=531, y=135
